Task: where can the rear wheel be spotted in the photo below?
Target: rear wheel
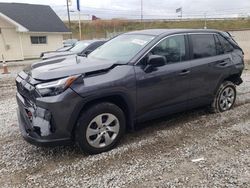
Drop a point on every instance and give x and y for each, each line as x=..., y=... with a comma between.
x=224, y=98
x=100, y=128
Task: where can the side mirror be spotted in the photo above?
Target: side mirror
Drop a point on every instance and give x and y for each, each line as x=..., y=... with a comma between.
x=87, y=52
x=156, y=60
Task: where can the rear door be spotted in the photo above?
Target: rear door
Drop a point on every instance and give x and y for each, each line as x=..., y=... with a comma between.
x=208, y=66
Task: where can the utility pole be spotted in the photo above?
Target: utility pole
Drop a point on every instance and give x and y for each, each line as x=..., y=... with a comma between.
x=69, y=18
x=141, y=10
x=79, y=14
x=80, y=26
x=205, y=21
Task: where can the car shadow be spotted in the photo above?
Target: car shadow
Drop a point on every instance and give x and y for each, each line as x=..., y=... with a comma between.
x=141, y=130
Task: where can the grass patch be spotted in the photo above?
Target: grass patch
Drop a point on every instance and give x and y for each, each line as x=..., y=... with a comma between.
x=100, y=28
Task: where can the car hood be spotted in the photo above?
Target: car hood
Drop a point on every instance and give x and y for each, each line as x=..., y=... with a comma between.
x=66, y=66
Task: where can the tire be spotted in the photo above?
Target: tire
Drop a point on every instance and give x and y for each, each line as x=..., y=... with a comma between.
x=225, y=98
x=100, y=128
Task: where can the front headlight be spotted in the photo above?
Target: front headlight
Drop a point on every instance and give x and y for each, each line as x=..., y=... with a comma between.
x=55, y=87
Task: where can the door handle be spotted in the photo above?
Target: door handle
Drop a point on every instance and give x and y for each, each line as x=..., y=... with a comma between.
x=223, y=63
x=184, y=72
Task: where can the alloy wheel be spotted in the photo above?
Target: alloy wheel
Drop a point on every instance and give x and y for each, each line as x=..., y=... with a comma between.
x=227, y=98
x=102, y=130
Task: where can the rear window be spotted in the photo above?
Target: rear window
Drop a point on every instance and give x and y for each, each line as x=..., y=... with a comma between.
x=227, y=47
x=203, y=45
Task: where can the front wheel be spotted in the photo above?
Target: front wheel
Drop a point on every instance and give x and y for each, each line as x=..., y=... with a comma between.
x=100, y=128
x=224, y=98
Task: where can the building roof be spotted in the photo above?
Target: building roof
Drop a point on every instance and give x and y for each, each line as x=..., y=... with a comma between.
x=35, y=18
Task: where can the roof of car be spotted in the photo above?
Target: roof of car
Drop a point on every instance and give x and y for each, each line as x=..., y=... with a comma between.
x=90, y=41
x=157, y=32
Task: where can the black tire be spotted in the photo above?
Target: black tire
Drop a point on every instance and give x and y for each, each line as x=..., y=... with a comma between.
x=89, y=116
x=215, y=106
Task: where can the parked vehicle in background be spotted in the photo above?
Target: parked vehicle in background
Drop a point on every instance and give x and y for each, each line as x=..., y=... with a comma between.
x=62, y=49
x=82, y=48
x=69, y=42
x=132, y=78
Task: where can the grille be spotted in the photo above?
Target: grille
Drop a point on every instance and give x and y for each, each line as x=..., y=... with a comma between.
x=26, y=90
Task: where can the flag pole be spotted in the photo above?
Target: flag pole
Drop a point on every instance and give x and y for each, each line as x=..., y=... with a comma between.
x=141, y=11
x=80, y=27
x=181, y=12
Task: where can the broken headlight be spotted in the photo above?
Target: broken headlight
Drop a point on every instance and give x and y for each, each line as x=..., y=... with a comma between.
x=55, y=87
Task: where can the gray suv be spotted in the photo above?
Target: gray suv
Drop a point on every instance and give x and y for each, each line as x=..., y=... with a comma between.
x=132, y=78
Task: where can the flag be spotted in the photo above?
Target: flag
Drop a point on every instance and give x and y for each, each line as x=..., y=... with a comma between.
x=178, y=10
x=78, y=4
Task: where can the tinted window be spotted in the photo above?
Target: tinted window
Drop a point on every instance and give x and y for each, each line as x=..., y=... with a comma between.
x=227, y=47
x=95, y=45
x=219, y=48
x=173, y=48
x=203, y=45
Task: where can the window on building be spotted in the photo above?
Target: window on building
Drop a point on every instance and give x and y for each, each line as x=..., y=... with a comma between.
x=38, y=39
x=203, y=45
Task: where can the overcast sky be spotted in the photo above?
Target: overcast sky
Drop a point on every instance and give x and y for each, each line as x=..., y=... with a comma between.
x=152, y=8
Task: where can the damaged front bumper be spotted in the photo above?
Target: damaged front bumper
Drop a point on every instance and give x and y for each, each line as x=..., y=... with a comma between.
x=48, y=120
x=35, y=125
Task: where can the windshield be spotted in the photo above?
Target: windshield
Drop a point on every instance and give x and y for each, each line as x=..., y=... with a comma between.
x=79, y=47
x=122, y=48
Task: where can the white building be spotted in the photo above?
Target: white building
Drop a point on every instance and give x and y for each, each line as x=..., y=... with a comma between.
x=26, y=30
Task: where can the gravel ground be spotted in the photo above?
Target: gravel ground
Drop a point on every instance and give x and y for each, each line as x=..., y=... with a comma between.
x=158, y=154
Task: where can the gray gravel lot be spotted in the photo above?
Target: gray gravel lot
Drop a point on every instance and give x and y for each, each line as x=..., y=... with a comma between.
x=158, y=154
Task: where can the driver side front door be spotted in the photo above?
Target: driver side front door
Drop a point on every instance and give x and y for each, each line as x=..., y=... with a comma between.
x=164, y=89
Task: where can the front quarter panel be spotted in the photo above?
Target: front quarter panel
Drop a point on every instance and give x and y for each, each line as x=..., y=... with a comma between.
x=120, y=80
